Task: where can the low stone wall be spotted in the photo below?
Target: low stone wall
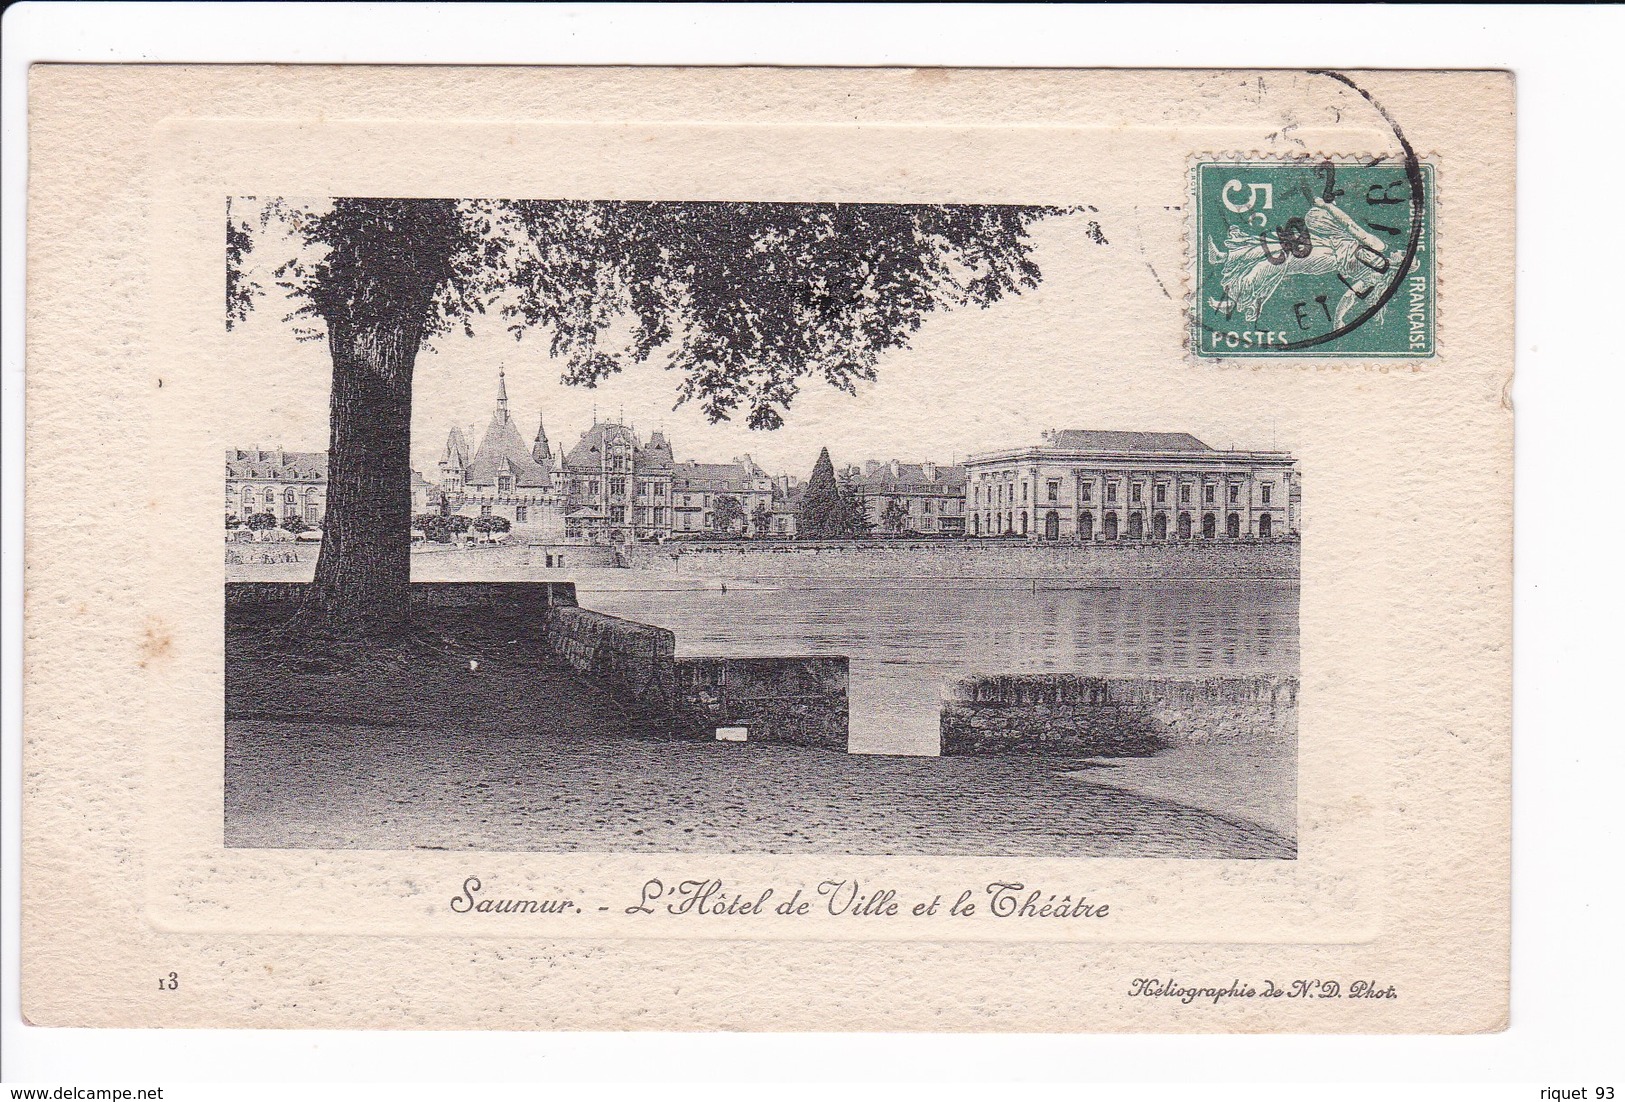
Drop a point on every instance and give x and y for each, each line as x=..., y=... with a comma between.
x=633, y=662
x=1072, y=714
x=504, y=599
x=1102, y=561
x=798, y=700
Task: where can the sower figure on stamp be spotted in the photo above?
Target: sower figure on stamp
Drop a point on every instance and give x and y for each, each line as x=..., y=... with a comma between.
x=1327, y=241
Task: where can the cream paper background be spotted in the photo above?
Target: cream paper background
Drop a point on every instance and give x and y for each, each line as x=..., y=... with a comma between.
x=1402, y=874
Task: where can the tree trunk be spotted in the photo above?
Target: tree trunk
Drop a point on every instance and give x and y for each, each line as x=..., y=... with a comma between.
x=364, y=567
x=375, y=289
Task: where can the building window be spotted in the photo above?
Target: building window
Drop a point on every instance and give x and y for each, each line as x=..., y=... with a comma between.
x=1185, y=494
x=1136, y=493
x=1024, y=495
x=520, y=514
x=288, y=497
x=927, y=506
x=1207, y=494
x=504, y=484
x=617, y=514
x=485, y=510
x=1086, y=491
x=1264, y=493
x=617, y=487
x=1235, y=492
x=1055, y=490
x=1111, y=493
x=310, y=514
x=1161, y=493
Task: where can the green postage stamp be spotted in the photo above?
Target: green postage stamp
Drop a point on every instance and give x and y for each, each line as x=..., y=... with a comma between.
x=1313, y=257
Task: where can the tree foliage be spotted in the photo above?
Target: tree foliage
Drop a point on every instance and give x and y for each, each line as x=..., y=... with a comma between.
x=492, y=523
x=761, y=520
x=259, y=522
x=727, y=514
x=742, y=301
x=853, y=513
x=894, y=518
x=819, y=515
x=831, y=510
x=294, y=523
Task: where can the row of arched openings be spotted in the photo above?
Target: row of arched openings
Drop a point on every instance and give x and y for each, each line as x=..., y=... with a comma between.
x=1111, y=529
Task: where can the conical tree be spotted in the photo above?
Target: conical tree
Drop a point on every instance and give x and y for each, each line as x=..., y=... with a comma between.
x=819, y=517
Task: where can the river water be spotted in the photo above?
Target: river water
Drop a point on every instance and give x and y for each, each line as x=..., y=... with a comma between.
x=904, y=639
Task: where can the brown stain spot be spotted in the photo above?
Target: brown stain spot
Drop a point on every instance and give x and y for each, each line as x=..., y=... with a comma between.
x=157, y=642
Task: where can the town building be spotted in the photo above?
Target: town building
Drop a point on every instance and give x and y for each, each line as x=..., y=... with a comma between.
x=288, y=484
x=696, y=488
x=618, y=489
x=785, y=512
x=282, y=483
x=503, y=477
x=1085, y=484
x=912, y=498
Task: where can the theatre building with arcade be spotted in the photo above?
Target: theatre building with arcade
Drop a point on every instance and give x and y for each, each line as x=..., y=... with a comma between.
x=1088, y=485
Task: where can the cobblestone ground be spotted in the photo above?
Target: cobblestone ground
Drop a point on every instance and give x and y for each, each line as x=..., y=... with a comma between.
x=432, y=754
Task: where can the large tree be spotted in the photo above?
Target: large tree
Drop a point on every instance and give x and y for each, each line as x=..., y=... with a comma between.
x=819, y=516
x=742, y=301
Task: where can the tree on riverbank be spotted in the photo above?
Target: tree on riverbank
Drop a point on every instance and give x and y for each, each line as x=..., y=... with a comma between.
x=819, y=517
x=831, y=510
x=895, y=517
x=726, y=514
x=742, y=301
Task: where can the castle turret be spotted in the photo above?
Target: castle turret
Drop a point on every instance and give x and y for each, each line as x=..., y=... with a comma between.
x=502, y=394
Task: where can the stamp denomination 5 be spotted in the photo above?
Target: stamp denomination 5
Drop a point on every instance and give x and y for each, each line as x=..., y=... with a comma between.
x=1312, y=257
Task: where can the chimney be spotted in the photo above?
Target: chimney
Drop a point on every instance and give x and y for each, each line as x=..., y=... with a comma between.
x=870, y=466
x=896, y=469
x=930, y=469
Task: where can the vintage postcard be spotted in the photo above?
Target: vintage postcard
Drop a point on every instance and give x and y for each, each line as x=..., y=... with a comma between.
x=768, y=549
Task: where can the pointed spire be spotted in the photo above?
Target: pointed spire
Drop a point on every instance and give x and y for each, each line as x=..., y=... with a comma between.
x=502, y=392
x=541, y=452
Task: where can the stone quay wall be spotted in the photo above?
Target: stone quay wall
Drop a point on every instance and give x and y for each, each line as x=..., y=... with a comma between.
x=1104, y=561
x=504, y=599
x=1075, y=715
x=797, y=700
x=633, y=662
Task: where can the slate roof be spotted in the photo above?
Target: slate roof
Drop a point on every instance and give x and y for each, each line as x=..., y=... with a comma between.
x=911, y=479
x=456, y=453
x=714, y=476
x=588, y=454
x=502, y=452
x=244, y=463
x=1108, y=440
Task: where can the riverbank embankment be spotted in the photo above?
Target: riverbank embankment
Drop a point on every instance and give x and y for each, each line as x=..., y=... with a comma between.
x=1072, y=563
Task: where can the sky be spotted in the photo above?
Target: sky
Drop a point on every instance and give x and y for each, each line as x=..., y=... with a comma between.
x=1087, y=349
